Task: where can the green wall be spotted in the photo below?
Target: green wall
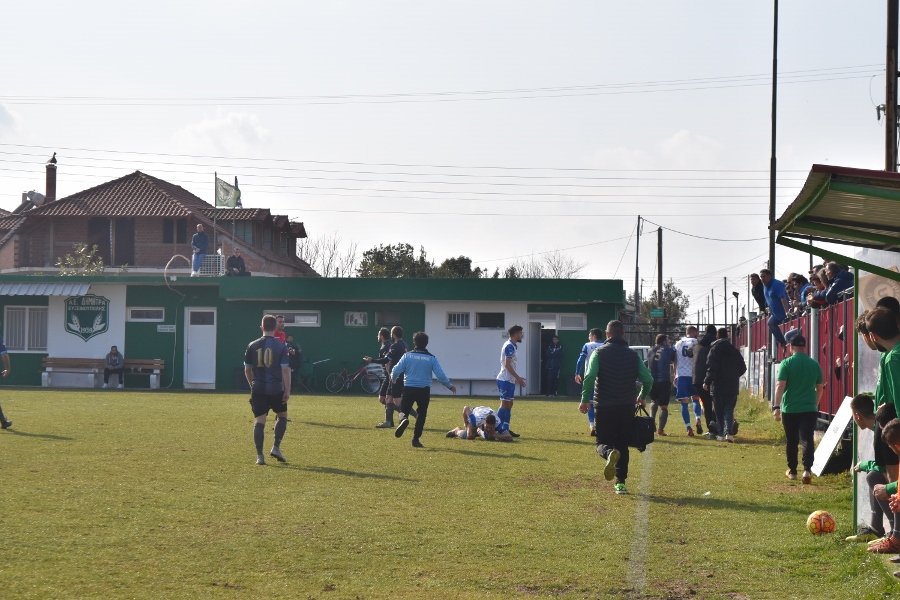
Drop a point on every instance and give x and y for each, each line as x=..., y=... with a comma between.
x=25, y=368
x=598, y=315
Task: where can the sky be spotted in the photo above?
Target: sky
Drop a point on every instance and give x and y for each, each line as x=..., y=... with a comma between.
x=491, y=129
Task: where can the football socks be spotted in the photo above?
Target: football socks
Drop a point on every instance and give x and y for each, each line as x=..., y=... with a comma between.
x=280, y=428
x=258, y=435
x=504, y=415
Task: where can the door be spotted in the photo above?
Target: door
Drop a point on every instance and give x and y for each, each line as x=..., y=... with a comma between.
x=98, y=235
x=200, y=348
x=533, y=343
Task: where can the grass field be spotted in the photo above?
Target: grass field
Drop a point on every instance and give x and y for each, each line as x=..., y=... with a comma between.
x=156, y=495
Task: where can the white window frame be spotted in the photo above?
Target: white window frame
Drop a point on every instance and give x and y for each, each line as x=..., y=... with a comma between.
x=28, y=310
x=490, y=312
x=581, y=327
x=132, y=319
x=291, y=314
x=453, y=316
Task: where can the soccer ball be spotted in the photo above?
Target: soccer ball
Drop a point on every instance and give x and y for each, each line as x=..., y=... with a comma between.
x=820, y=522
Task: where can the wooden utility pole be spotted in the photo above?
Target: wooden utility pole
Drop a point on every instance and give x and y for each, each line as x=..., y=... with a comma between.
x=637, y=273
x=712, y=295
x=659, y=281
x=725, y=279
x=890, y=96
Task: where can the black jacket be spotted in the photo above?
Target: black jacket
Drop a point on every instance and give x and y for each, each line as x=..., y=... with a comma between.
x=760, y=296
x=724, y=368
x=700, y=358
x=618, y=367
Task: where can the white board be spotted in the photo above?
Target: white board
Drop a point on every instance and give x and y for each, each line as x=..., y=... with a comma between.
x=832, y=436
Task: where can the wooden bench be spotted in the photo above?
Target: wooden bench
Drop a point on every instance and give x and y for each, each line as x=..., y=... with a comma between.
x=91, y=367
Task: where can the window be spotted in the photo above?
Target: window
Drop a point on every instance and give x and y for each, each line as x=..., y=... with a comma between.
x=286, y=245
x=490, y=321
x=267, y=238
x=458, y=320
x=356, y=319
x=387, y=318
x=299, y=318
x=26, y=328
x=147, y=315
x=244, y=230
x=175, y=231
x=202, y=317
x=574, y=321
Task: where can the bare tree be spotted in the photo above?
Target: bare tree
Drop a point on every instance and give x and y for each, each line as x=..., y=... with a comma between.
x=551, y=265
x=329, y=256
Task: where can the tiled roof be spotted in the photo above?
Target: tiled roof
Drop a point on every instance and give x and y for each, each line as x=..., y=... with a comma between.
x=134, y=195
x=237, y=214
x=4, y=213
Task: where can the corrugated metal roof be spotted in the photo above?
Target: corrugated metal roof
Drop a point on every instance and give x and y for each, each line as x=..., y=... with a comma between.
x=44, y=289
x=857, y=207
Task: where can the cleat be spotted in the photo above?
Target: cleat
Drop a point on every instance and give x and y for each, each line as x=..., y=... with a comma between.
x=513, y=433
x=609, y=471
x=385, y=425
x=807, y=477
x=888, y=545
x=276, y=453
x=620, y=488
x=864, y=535
x=416, y=443
x=720, y=438
x=792, y=475
x=260, y=459
x=690, y=432
x=661, y=433
x=729, y=438
x=699, y=428
x=6, y=424
x=709, y=435
x=404, y=423
x=593, y=432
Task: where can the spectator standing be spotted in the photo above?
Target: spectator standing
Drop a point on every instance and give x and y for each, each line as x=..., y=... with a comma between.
x=552, y=364
x=4, y=356
x=756, y=289
x=609, y=382
x=661, y=364
x=295, y=358
x=280, y=333
x=797, y=405
x=115, y=363
x=778, y=303
x=724, y=367
x=235, y=266
x=701, y=354
x=199, y=249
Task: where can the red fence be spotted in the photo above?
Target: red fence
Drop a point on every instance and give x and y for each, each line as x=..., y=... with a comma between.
x=835, y=327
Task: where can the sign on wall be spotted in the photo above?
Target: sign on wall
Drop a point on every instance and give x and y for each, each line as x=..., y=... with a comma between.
x=87, y=316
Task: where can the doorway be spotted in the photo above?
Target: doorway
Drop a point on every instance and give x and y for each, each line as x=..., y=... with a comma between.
x=124, y=244
x=533, y=345
x=200, y=348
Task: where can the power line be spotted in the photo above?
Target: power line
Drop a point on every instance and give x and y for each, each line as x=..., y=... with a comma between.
x=557, y=250
x=378, y=210
x=701, y=237
x=625, y=251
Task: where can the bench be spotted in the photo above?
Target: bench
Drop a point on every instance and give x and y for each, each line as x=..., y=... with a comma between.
x=91, y=367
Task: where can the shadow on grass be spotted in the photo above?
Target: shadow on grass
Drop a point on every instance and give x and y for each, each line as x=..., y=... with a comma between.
x=346, y=473
x=488, y=454
x=334, y=426
x=721, y=503
x=587, y=441
x=41, y=436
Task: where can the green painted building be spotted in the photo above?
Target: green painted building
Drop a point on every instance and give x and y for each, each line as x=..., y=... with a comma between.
x=201, y=326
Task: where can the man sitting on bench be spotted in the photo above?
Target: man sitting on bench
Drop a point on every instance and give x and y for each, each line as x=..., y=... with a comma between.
x=115, y=363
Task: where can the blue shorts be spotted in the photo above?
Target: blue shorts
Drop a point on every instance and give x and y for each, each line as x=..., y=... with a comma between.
x=507, y=389
x=684, y=388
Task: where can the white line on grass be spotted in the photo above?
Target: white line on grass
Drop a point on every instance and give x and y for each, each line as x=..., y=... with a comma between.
x=637, y=572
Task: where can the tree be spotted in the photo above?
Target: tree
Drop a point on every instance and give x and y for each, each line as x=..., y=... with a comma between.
x=398, y=260
x=551, y=265
x=458, y=268
x=328, y=256
x=674, y=302
x=81, y=261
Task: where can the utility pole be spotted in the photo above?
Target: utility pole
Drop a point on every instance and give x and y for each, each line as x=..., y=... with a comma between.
x=725, y=279
x=890, y=100
x=712, y=294
x=772, y=160
x=637, y=273
x=659, y=281
x=707, y=311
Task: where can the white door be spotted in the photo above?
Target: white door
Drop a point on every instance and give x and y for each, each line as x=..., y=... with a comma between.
x=533, y=343
x=200, y=348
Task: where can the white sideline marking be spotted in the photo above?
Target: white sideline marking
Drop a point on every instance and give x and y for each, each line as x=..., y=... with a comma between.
x=637, y=571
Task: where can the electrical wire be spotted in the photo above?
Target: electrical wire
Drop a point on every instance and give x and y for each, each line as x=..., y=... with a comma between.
x=701, y=237
x=625, y=251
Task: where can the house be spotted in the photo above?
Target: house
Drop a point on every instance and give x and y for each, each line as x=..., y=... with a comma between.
x=140, y=223
x=201, y=326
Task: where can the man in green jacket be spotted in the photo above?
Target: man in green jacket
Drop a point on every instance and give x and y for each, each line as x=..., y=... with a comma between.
x=609, y=383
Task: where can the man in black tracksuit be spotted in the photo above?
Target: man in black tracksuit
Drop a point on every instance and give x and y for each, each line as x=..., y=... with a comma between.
x=700, y=357
x=609, y=380
x=725, y=365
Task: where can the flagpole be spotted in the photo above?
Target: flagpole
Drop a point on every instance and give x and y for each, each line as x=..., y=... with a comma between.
x=215, y=209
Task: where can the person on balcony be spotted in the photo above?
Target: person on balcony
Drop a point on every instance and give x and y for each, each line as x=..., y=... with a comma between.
x=199, y=248
x=234, y=266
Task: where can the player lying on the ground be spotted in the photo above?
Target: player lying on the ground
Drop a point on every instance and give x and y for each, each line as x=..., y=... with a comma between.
x=479, y=422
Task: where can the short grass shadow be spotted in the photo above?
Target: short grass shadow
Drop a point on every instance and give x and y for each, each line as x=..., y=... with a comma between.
x=346, y=473
x=721, y=503
x=41, y=436
x=334, y=426
x=466, y=452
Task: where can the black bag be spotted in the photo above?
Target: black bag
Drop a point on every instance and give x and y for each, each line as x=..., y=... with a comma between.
x=643, y=429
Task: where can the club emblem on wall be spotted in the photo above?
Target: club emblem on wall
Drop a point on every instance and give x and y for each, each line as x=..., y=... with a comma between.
x=87, y=316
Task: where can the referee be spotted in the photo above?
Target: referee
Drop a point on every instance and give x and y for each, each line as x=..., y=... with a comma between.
x=267, y=368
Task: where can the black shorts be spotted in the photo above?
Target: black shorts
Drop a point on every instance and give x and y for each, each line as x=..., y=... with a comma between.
x=396, y=388
x=261, y=404
x=661, y=392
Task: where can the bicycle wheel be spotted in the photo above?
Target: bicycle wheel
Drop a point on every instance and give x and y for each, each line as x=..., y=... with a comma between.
x=370, y=384
x=334, y=383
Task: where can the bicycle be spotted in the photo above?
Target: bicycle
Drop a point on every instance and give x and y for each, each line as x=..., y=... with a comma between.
x=370, y=378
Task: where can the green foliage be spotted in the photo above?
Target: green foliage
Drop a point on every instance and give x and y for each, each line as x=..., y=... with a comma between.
x=673, y=300
x=81, y=261
x=398, y=260
x=458, y=268
x=156, y=507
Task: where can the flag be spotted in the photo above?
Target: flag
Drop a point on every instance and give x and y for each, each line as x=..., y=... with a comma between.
x=227, y=194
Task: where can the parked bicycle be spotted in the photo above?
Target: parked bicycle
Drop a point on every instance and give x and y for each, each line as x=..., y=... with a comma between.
x=370, y=378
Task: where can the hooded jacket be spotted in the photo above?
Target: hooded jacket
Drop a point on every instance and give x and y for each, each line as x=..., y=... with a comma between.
x=701, y=356
x=724, y=368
